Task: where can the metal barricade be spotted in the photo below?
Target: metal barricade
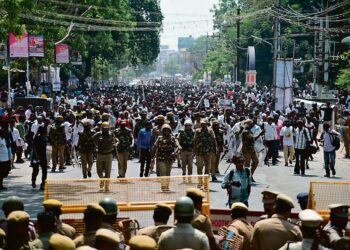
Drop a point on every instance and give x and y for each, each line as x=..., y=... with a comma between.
x=136, y=197
x=322, y=194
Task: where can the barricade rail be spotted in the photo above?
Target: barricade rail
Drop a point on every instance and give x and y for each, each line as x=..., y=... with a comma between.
x=322, y=194
x=136, y=197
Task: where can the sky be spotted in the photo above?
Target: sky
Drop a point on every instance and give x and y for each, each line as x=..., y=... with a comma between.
x=185, y=18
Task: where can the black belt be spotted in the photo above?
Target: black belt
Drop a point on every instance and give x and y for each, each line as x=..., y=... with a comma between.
x=105, y=153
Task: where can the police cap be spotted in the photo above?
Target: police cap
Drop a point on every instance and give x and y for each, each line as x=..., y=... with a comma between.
x=108, y=236
x=310, y=218
x=95, y=208
x=269, y=197
x=284, y=199
x=18, y=217
x=339, y=210
x=52, y=203
x=163, y=207
x=240, y=206
x=142, y=242
x=60, y=242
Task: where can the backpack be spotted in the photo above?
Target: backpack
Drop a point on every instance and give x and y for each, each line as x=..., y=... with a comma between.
x=335, y=140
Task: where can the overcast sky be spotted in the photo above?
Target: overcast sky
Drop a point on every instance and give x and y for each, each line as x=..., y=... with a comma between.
x=184, y=18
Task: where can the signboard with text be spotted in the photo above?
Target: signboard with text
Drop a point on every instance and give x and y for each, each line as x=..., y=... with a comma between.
x=36, y=46
x=18, y=45
x=62, y=53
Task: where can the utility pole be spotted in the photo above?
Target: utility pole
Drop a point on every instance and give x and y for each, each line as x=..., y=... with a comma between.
x=238, y=42
x=276, y=45
x=326, y=54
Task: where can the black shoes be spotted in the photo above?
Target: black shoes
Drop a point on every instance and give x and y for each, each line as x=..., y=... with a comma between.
x=33, y=184
x=89, y=174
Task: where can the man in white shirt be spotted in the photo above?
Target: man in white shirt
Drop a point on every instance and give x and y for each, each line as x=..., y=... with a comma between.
x=28, y=112
x=271, y=139
x=288, y=142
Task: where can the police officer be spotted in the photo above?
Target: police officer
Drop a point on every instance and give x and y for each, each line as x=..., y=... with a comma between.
x=107, y=239
x=248, y=147
x=17, y=236
x=156, y=131
x=201, y=221
x=93, y=217
x=204, y=145
x=240, y=225
x=165, y=150
x=310, y=221
x=142, y=242
x=61, y=242
x=268, y=199
x=220, y=143
x=185, y=138
x=183, y=235
x=161, y=216
x=86, y=149
x=54, y=206
x=105, y=142
x=111, y=209
x=46, y=227
x=273, y=233
x=57, y=139
x=302, y=199
x=125, y=139
x=334, y=230
x=11, y=204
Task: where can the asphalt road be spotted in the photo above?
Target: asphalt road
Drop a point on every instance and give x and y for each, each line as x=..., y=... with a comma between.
x=279, y=178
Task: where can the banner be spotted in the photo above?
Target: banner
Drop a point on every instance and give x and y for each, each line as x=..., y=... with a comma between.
x=18, y=45
x=225, y=103
x=36, y=46
x=62, y=53
x=76, y=58
x=284, y=84
x=250, y=78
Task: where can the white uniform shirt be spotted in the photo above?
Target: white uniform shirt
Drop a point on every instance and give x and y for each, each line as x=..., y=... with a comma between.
x=270, y=132
x=305, y=244
x=287, y=133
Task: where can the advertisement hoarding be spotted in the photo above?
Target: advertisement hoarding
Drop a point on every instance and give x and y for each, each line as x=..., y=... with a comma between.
x=36, y=46
x=18, y=45
x=62, y=53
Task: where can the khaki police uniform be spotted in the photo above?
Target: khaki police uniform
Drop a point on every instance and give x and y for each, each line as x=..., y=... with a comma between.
x=17, y=218
x=61, y=228
x=57, y=139
x=42, y=242
x=186, y=142
x=125, y=139
x=268, y=199
x=89, y=237
x=105, y=145
x=204, y=148
x=241, y=226
x=273, y=233
x=165, y=154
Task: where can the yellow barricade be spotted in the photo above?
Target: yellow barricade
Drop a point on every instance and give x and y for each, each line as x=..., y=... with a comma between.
x=322, y=194
x=136, y=197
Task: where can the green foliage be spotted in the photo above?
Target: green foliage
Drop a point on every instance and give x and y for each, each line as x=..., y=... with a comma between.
x=116, y=49
x=343, y=78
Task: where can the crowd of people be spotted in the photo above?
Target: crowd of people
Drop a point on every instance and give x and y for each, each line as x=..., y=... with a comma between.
x=164, y=124
x=190, y=228
x=161, y=124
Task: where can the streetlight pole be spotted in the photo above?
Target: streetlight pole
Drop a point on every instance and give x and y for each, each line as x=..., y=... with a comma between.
x=276, y=48
x=238, y=42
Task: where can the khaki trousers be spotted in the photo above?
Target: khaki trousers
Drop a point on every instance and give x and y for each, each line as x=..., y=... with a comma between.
x=215, y=159
x=251, y=157
x=86, y=162
x=186, y=162
x=164, y=170
x=123, y=163
x=203, y=161
x=57, y=151
x=104, y=166
x=288, y=150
